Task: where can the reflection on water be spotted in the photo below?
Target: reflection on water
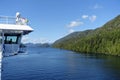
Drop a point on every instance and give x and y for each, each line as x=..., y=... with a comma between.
x=56, y=64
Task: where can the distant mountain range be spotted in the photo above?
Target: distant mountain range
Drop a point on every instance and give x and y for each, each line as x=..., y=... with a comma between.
x=38, y=45
x=103, y=40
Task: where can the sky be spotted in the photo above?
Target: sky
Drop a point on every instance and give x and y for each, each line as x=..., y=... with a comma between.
x=54, y=19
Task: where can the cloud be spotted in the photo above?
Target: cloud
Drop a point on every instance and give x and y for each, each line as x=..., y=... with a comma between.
x=71, y=30
x=40, y=40
x=26, y=39
x=85, y=16
x=78, y=22
x=96, y=6
x=92, y=18
x=74, y=24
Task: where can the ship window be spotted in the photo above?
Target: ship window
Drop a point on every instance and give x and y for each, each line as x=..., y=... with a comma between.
x=11, y=39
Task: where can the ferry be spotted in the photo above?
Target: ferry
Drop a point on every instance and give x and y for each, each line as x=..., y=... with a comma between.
x=12, y=29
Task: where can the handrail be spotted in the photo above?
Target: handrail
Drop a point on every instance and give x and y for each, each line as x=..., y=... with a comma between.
x=7, y=20
x=13, y=20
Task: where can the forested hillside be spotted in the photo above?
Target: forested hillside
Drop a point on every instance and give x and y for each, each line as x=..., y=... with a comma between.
x=105, y=40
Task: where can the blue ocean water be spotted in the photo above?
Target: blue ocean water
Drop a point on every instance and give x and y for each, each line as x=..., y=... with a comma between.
x=55, y=64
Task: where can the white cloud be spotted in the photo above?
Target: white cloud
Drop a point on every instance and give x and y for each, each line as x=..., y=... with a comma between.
x=74, y=24
x=96, y=6
x=26, y=39
x=85, y=16
x=40, y=40
x=78, y=22
x=92, y=18
x=71, y=30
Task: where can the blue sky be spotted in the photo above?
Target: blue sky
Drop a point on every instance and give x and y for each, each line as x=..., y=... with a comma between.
x=53, y=19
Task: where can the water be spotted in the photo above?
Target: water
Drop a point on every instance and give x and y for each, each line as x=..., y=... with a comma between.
x=56, y=64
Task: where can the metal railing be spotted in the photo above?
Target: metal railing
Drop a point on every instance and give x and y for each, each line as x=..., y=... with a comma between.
x=7, y=20
x=13, y=20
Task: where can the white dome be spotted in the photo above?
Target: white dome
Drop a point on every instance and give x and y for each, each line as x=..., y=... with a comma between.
x=17, y=14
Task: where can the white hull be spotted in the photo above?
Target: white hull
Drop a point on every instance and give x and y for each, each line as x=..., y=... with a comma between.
x=10, y=49
x=0, y=63
x=11, y=31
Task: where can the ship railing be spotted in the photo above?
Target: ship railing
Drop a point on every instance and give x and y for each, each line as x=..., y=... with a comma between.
x=13, y=20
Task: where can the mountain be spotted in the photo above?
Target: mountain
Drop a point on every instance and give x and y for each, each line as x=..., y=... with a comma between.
x=103, y=40
x=38, y=45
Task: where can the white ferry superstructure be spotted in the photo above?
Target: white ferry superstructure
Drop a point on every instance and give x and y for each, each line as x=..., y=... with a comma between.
x=11, y=31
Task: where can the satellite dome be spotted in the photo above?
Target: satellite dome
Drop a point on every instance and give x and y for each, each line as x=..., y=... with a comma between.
x=17, y=14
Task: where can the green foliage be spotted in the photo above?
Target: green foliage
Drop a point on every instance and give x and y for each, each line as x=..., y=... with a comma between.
x=105, y=40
